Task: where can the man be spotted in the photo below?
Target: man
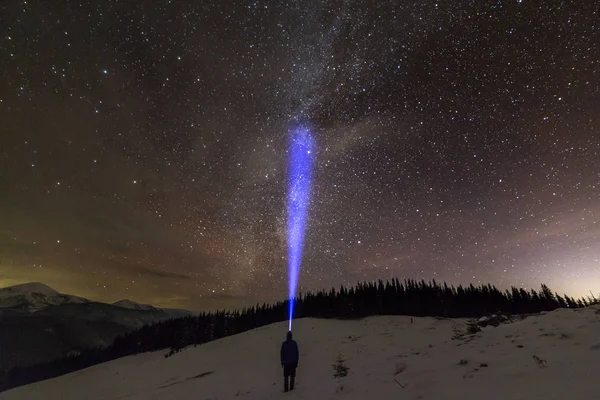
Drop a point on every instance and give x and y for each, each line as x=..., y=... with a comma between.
x=289, y=361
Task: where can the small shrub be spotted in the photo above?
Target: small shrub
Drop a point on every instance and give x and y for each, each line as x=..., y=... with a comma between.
x=470, y=329
x=400, y=368
x=473, y=328
x=565, y=336
x=170, y=353
x=457, y=333
x=340, y=369
x=540, y=362
x=463, y=362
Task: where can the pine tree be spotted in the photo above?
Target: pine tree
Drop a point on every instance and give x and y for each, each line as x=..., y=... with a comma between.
x=340, y=369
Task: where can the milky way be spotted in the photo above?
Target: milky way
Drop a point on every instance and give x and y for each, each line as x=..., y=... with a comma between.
x=143, y=147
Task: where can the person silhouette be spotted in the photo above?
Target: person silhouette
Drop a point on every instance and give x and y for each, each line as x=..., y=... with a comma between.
x=289, y=361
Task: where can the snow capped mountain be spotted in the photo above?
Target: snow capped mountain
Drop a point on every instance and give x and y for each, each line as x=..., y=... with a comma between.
x=35, y=296
x=132, y=305
x=31, y=287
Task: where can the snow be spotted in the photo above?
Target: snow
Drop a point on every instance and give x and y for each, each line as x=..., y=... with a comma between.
x=35, y=296
x=27, y=288
x=383, y=354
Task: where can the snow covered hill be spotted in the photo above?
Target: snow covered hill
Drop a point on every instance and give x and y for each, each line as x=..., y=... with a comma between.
x=35, y=296
x=56, y=331
x=550, y=356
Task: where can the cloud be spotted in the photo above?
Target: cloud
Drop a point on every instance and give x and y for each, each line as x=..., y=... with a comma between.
x=155, y=273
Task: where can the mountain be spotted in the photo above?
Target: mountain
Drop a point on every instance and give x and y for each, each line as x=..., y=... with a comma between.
x=35, y=296
x=42, y=324
x=553, y=355
x=133, y=305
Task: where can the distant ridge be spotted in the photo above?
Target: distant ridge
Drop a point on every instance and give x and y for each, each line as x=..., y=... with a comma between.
x=133, y=305
x=35, y=296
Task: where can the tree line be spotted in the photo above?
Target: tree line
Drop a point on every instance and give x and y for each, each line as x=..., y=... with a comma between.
x=394, y=297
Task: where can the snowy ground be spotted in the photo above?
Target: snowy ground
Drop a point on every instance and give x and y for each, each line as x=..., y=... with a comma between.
x=382, y=353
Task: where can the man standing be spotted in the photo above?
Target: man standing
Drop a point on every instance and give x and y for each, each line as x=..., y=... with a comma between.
x=289, y=361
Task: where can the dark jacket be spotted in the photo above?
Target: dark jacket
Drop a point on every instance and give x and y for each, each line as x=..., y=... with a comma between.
x=289, y=351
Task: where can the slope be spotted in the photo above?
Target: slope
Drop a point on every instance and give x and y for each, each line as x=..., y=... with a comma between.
x=131, y=318
x=388, y=357
x=29, y=339
x=39, y=324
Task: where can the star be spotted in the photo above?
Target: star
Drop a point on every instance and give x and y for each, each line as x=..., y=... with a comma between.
x=452, y=140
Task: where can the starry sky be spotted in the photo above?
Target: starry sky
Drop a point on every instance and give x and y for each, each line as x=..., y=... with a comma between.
x=143, y=145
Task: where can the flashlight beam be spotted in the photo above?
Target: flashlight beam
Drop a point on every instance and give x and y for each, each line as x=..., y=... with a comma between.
x=300, y=169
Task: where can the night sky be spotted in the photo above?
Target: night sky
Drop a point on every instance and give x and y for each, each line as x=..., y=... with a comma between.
x=143, y=145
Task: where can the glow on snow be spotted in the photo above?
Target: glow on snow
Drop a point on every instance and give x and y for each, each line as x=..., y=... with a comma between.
x=299, y=177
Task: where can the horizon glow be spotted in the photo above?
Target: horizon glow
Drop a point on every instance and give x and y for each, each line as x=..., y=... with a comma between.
x=299, y=181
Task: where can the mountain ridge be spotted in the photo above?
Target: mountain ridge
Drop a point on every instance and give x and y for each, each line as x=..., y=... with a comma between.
x=36, y=296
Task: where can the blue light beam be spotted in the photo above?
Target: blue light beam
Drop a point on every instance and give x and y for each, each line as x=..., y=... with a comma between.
x=299, y=180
